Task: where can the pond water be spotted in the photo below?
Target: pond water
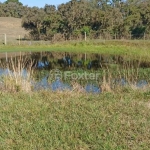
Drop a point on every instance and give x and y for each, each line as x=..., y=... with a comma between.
x=82, y=71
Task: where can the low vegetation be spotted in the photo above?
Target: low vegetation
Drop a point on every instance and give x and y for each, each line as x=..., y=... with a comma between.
x=47, y=120
x=131, y=49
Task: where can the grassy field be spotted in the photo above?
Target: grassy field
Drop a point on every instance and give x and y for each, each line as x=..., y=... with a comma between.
x=138, y=49
x=64, y=121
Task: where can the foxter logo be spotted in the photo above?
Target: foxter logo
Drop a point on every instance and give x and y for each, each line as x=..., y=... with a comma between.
x=55, y=74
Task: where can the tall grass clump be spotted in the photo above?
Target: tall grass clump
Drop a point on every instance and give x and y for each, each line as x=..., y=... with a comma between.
x=127, y=75
x=18, y=76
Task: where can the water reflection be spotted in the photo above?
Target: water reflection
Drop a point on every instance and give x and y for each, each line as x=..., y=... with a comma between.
x=141, y=84
x=44, y=62
x=92, y=88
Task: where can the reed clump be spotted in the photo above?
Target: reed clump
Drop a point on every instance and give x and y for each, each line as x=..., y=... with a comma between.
x=18, y=76
x=123, y=77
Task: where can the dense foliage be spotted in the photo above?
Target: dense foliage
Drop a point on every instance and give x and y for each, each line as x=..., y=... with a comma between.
x=115, y=18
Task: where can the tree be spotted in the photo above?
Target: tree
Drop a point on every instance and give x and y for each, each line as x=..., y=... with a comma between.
x=13, y=1
x=72, y=19
x=75, y=15
x=51, y=21
x=33, y=21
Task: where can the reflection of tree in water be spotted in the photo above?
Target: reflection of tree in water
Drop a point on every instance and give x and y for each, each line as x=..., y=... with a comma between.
x=67, y=60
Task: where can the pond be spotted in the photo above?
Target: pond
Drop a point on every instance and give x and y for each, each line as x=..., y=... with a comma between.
x=88, y=72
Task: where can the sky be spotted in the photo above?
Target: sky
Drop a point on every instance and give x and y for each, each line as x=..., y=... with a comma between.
x=40, y=3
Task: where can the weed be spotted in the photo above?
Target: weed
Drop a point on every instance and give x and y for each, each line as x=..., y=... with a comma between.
x=19, y=75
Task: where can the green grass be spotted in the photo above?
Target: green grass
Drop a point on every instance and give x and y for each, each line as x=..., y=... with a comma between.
x=64, y=121
x=136, y=49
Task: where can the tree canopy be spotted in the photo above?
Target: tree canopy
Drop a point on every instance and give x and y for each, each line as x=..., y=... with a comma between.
x=72, y=19
x=13, y=1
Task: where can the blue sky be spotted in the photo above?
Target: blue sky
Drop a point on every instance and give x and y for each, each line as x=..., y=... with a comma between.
x=40, y=3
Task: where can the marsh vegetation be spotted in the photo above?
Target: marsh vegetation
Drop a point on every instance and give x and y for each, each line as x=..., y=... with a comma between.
x=100, y=71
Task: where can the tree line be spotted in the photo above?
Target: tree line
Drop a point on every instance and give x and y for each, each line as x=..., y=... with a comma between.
x=71, y=20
